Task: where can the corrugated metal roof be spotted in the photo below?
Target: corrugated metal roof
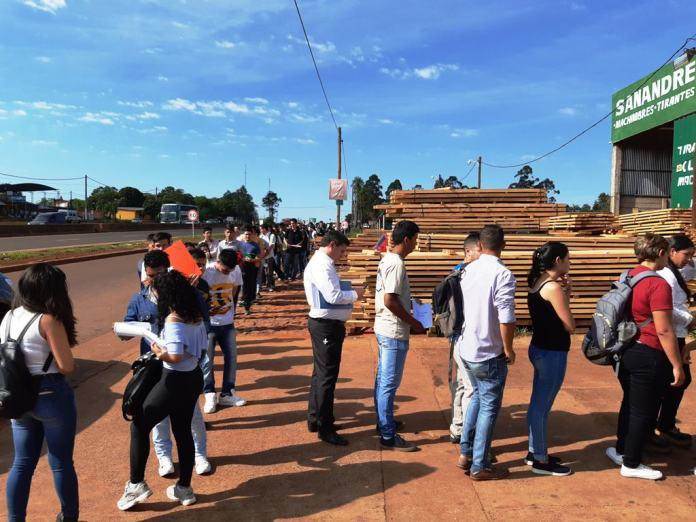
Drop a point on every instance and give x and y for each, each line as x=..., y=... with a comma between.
x=646, y=172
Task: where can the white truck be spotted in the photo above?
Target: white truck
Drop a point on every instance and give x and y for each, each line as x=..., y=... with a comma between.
x=71, y=216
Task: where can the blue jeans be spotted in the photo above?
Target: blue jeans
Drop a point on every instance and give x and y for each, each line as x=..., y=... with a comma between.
x=390, y=370
x=488, y=380
x=162, y=440
x=226, y=337
x=549, y=372
x=54, y=418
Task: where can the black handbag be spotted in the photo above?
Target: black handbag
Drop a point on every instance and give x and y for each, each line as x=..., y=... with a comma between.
x=147, y=371
x=18, y=388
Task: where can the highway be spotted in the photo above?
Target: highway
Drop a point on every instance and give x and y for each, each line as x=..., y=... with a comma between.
x=10, y=244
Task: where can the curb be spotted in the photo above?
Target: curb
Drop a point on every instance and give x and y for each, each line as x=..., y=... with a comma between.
x=68, y=260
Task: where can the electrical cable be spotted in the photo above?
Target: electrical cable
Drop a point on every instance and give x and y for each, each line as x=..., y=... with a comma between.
x=571, y=140
x=98, y=182
x=40, y=179
x=469, y=172
x=316, y=68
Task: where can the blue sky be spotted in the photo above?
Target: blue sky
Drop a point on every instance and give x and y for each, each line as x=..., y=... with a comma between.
x=151, y=93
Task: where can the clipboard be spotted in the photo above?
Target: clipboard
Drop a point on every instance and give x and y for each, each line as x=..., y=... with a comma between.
x=324, y=305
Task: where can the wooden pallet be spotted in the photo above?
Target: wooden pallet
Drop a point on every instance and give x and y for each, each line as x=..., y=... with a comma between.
x=667, y=222
x=585, y=222
x=527, y=242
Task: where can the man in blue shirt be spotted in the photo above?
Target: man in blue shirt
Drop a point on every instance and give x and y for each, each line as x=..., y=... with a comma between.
x=251, y=260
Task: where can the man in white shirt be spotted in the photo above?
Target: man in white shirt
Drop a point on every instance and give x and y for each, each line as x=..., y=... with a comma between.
x=330, y=308
x=485, y=347
x=209, y=245
x=269, y=261
x=393, y=325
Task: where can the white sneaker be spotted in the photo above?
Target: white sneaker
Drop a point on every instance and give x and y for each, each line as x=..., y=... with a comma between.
x=231, y=400
x=183, y=495
x=203, y=466
x=210, y=404
x=133, y=494
x=642, y=471
x=614, y=456
x=166, y=466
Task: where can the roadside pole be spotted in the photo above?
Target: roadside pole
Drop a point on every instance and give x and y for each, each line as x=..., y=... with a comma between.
x=338, y=201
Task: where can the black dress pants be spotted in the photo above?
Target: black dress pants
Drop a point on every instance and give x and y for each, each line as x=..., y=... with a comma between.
x=644, y=374
x=250, y=273
x=666, y=421
x=327, y=344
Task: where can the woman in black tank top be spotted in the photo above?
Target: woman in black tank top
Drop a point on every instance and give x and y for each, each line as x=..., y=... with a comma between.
x=552, y=321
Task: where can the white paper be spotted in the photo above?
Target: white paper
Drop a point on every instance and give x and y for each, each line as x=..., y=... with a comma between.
x=423, y=312
x=136, y=329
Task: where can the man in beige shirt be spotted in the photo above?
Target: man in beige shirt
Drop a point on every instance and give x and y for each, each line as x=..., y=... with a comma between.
x=393, y=325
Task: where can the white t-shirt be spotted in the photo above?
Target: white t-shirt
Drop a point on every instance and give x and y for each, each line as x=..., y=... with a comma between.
x=35, y=347
x=270, y=240
x=222, y=290
x=392, y=279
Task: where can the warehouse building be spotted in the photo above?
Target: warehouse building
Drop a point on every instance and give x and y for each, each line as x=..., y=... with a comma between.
x=653, y=133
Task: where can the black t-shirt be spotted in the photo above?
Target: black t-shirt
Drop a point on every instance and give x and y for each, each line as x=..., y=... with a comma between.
x=548, y=330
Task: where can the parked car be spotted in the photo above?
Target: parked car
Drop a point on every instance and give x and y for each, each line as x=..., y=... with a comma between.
x=71, y=216
x=48, y=218
x=212, y=221
x=137, y=221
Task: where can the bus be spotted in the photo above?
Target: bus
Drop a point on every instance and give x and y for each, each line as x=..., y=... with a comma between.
x=175, y=213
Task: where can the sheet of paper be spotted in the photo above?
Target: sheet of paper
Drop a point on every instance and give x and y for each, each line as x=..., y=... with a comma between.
x=423, y=312
x=137, y=329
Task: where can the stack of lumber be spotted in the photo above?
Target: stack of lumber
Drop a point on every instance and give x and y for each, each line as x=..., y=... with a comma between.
x=583, y=223
x=667, y=222
x=592, y=273
x=527, y=242
x=465, y=210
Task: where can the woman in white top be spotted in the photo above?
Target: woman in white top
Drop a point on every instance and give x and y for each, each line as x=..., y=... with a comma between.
x=681, y=252
x=43, y=304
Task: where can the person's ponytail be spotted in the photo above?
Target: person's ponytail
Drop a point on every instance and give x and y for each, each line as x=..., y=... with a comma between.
x=544, y=258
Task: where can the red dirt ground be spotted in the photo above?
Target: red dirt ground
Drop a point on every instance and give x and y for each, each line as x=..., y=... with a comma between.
x=268, y=467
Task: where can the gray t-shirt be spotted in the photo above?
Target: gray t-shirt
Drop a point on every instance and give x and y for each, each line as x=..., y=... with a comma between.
x=392, y=279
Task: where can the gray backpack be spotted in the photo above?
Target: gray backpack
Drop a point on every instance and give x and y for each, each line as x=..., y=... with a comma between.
x=613, y=329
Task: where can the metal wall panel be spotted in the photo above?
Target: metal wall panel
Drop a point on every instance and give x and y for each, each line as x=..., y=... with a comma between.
x=646, y=172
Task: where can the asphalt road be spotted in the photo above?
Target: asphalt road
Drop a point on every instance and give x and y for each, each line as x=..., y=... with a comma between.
x=10, y=244
x=99, y=290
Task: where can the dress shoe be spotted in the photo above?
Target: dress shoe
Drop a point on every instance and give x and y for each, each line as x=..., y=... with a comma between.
x=464, y=463
x=313, y=427
x=333, y=438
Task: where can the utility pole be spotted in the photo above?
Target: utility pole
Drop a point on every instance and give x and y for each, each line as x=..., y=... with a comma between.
x=479, y=172
x=85, y=197
x=338, y=201
x=70, y=201
x=155, y=192
x=245, y=175
x=269, y=183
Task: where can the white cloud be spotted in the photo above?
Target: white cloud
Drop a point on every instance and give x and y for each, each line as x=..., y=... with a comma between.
x=305, y=118
x=180, y=25
x=163, y=156
x=162, y=78
x=44, y=143
x=284, y=160
x=386, y=121
x=148, y=116
x=305, y=141
x=236, y=107
x=49, y=6
x=45, y=106
x=527, y=157
x=568, y=111
x=42, y=59
x=19, y=112
x=321, y=48
x=463, y=133
x=137, y=104
x=91, y=117
x=430, y=72
x=577, y=6
x=225, y=44
x=178, y=104
x=293, y=105
x=262, y=101
x=153, y=50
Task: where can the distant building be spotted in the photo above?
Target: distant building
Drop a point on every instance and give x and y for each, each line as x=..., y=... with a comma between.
x=129, y=213
x=653, y=132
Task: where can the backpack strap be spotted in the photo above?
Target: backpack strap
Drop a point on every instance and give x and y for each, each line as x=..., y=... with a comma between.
x=633, y=281
x=49, y=359
x=7, y=328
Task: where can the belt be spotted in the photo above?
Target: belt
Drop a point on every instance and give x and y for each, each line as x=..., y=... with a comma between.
x=325, y=320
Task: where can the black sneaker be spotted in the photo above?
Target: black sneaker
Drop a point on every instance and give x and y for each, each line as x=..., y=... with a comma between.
x=529, y=459
x=657, y=445
x=676, y=437
x=397, y=443
x=550, y=468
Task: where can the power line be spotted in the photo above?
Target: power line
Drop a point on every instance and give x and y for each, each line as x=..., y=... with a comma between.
x=98, y=182
x=571, y=140
x=39, y=179
x=473, y=164
x=316, y=68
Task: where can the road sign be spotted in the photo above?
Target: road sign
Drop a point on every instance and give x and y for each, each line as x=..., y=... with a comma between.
x=192, y=215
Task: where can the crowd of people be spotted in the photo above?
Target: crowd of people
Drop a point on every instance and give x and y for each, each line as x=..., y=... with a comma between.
x=192, y=315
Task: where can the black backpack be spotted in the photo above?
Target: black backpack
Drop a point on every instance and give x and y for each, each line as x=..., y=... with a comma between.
x=147, y=370
x=18, y=388
x=448, y=304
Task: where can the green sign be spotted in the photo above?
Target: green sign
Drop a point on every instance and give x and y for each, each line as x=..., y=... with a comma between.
x=667, y=95
x=683, y=161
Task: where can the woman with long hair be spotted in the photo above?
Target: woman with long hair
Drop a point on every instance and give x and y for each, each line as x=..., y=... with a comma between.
x=43, y=304
x=552, y=322
x=681, y=251
x=176, y=394
x=649, y=365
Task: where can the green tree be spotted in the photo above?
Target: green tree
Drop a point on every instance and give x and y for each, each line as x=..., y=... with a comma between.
x=239, y=205
x=417, y=187
x=104, y=199
x=175, y=195
x=602, y=203
x=451, y=182
x=356, y=193
x=151, y=206
x=130, y=197
x=394, y=185
x=270, y=202
x=207, y=207
x=526, y=179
